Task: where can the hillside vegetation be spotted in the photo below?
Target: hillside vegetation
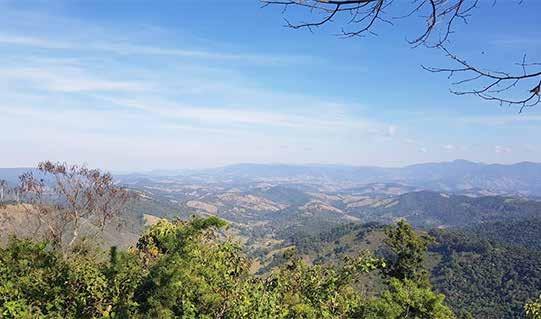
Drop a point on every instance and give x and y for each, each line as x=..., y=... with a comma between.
x=483, y=270
x=184, y=270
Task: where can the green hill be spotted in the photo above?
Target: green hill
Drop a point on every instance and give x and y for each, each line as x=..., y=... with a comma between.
x=484, y=271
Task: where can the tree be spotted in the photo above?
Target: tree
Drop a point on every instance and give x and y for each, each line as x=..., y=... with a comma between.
x=409, y=252
x=191, y=273
x=37, y=282
x=67, y=200
x=406, y=299
x=360, y=18
x=3, y=186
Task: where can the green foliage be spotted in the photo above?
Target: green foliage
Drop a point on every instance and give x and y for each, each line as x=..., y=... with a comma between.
x=486, y=279
x=533, y=309
x=409, y=293
x=125, y=273
x=406, y=299
x=306, y=243
x=319, y=291
x=36, y=281
x=409, y=252
x=189, y=272
x=484, y=272
x=165, y=237
x=523, y=233
x=186, y=269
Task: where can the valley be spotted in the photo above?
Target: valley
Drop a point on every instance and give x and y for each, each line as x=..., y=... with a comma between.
x=486, y=240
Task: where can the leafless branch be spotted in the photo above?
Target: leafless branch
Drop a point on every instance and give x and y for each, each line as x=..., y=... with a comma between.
x=65, y=198
x=361, y=17
x=495, y=85
x=364, y=15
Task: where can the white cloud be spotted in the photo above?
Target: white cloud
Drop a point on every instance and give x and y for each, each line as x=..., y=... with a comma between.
x=67, y=79
x=228, y=116
x=502, y=119
x=515, y=41
x=93, y=93
x=128, y=48
x=410, y=141
x=257, y=110
x=449, y=147
x=33, y=42
x=391, y=130
x=499, y=149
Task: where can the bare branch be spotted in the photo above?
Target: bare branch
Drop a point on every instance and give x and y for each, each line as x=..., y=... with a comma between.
x=365, y=13
x=68, y=197
x=491, y=85
x=362, y=17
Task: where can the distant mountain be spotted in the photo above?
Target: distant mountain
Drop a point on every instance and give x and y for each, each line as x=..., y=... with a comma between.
x=328, y=173
x=433, y=209
x=457, y=176
x=521, y=178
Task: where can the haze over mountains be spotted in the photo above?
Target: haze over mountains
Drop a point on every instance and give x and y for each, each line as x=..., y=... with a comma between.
x=520, y=178
x=269, y=200
x=461, y=176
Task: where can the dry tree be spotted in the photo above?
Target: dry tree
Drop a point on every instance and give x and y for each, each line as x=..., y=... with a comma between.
x=3, y=187
x=359, y=18
x=67, y=200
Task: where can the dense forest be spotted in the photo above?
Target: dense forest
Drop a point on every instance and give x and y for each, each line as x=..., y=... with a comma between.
x=485, y=278
x=485, y=271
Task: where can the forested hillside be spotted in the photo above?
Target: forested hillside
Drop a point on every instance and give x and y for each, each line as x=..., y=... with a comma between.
x=486, y=279
x=484, y=272
x=523, y=233
x=432, y=209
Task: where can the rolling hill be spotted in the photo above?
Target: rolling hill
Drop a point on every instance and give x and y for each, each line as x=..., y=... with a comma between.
x=459, y=176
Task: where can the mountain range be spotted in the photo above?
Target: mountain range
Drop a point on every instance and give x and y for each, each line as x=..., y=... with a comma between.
x=459, y=175
x=462, y=176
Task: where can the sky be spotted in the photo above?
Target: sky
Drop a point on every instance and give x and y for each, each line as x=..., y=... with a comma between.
x=138, y=85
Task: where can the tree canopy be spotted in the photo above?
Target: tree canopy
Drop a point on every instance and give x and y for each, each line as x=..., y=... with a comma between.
x=188, y=269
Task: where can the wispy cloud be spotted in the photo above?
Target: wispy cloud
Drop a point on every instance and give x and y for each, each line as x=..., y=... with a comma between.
x=502, y=119
x=79, y=88
x=449, y=147
x=67, y=79
x=130, y=48
x=160, y=95
x=524, y=41
x=499, y=149
x=239, y=116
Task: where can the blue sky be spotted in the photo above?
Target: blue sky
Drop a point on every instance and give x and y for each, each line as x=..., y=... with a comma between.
x=136, y=85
